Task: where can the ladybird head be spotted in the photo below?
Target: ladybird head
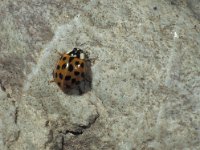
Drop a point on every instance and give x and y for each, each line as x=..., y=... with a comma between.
x=78, y=53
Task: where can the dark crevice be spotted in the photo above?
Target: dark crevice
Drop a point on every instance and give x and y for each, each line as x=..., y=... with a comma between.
x=50, y=138
x=81, y=128
x=2, y=87
x=77, y=132
x=16, y=115
x=62, y=143
x=58, y=140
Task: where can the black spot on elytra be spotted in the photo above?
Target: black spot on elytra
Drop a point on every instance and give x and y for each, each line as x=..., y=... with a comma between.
x=70, y=59
x=64, y=58
x=63, y=66
x=67, y=78
x=77, y=63
x=58, y=67
x=82, y=74
x=58, y=83
x=76, y=73
x=70, y=68
x=82, y=65
x=73, y=81
x=60, y=76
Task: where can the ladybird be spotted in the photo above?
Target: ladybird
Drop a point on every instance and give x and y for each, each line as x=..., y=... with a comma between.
x=70, y=70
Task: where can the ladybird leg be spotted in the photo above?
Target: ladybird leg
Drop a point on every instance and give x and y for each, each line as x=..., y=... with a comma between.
x=60, y=53
x=92, y=60
x=51, y=81
x=87, y=53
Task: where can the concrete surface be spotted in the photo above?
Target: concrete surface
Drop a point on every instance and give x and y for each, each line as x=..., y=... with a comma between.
x=146, y=79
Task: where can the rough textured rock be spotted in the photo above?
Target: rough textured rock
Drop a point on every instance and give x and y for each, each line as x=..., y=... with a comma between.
x=146, y=78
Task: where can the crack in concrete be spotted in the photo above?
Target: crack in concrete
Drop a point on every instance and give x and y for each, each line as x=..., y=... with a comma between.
x=81, y=128
x=79, y=131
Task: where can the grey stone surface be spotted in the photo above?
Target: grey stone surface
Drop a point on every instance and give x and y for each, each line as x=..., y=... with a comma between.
x=146, y=78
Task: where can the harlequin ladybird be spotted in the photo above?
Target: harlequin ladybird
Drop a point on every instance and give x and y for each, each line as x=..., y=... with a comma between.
x=70, y=69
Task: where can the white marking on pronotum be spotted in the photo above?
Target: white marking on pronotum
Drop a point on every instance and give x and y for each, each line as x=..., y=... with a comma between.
x=82, y=56
x=72, y=55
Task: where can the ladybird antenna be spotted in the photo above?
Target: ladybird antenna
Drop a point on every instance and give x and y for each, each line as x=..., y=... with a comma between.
x=60, y=53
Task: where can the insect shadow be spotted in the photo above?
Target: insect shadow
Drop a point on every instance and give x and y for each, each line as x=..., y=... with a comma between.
x=85, y=85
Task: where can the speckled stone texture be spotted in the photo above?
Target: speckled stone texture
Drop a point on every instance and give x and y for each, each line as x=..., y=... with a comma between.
x=146, y=77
